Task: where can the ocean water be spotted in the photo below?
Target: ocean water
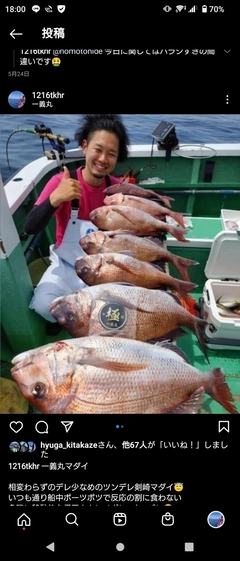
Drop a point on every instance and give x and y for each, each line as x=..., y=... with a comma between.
x=19, y=149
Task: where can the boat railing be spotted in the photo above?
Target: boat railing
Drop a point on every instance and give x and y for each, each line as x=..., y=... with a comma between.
x=20, y=185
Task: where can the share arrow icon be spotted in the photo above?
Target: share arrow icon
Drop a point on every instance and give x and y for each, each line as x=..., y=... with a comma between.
x=67, y=425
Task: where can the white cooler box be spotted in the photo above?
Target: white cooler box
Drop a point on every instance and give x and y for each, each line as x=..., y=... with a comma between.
x=230, y=220
x=223, y=273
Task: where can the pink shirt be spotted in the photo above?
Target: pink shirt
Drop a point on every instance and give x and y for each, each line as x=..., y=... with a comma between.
x=91, y=198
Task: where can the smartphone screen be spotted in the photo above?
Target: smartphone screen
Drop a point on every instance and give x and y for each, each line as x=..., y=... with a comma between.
x=120, y=325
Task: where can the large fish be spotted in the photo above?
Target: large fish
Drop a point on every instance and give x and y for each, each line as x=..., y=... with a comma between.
x=117, y=217
x=146, y=205
x=142, y=248
x=137, y=191
x=133, y=312
x=111, y=375
x=116, y=267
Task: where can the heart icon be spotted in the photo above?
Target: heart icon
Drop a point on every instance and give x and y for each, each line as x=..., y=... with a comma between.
x=16, y=426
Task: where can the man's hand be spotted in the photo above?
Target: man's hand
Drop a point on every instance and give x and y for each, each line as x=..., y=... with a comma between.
x=67, y=190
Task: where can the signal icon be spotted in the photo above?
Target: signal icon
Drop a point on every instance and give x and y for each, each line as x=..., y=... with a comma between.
x=193, y=9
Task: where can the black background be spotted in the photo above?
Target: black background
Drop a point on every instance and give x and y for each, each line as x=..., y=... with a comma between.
x=133, y=83
x=209, y=478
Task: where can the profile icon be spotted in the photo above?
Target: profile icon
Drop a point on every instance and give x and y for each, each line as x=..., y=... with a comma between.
x=23, y=446
x=216, y=519
x=14, y=446
x=16, y=99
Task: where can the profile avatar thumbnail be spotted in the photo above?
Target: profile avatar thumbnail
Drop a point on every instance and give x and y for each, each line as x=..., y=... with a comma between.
x=16, y=99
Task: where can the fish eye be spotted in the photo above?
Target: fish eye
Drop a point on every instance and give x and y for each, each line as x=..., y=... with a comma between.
x=39, y=390
x=85, y=269
x=70, y=316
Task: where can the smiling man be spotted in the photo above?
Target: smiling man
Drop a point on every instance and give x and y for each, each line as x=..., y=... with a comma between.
x=104, y=141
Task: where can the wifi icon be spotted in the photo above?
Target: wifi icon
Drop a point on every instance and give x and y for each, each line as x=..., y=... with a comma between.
x=180, y=8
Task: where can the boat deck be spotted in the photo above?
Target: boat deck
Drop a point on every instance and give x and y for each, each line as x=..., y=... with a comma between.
x=201, y=235
x=228, y=361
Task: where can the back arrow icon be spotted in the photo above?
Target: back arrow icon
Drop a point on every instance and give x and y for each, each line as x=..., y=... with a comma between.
x=13, y=33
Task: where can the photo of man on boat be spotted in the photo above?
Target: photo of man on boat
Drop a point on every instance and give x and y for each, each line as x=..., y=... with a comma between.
x=132, y=259
x=104, y=141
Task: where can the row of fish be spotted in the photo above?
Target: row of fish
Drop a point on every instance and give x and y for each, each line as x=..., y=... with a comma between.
x=144, y=248
x=123, y=238
x=146, y=205
x=118, y=216
x=137, y=191
x=140, y=370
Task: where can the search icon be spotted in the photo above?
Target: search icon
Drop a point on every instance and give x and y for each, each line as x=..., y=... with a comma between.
x=42, y=431
x=74, y=521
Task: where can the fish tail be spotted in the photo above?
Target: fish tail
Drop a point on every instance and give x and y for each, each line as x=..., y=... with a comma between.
x=178, y=217
x=178, y=233
x=181, y=264
x=198, y=327
x=184, y=287
x=219, y=390
x=166, y=200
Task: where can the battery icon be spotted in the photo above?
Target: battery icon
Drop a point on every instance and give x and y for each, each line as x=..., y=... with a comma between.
x=204, y=9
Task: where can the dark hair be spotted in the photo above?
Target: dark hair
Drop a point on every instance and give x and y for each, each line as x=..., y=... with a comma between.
x=107, y=122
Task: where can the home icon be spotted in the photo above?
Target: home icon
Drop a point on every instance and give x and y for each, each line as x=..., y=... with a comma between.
x=23, y=520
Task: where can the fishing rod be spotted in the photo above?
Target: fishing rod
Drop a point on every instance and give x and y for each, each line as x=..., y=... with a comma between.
x=45, y=132
x=56, y=140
